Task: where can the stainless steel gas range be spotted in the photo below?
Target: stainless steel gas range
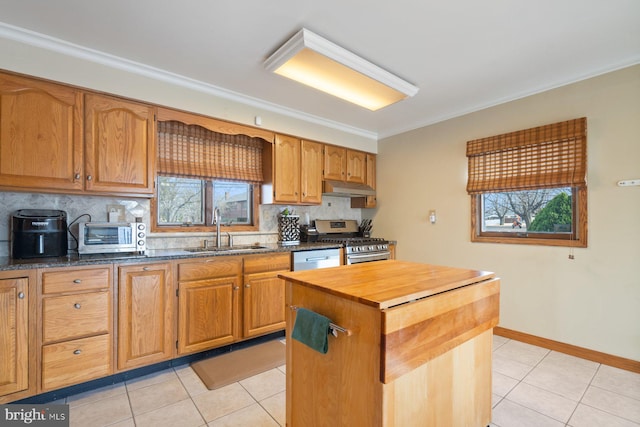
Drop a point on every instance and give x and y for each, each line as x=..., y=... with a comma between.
x=357, y=248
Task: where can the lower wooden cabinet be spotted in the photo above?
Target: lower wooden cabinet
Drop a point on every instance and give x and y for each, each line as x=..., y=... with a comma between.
x=76, y=325
x=17, y=340
x=145, y=314
x=263, y=299
x=76, y=361
x=208, y=303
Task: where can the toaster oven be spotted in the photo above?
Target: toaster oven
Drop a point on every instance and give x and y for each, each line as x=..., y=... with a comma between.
x=110, y=237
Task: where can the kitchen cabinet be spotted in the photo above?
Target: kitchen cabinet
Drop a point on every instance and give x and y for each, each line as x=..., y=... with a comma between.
x=263, y=308
x=56, y=138
x=293, y=172
x=119, y=145
x=17, y=337
x=368, y=201
x=335, y=163
x=344, y=164
x=76, y=335
x=145, y=314
x=415, y=350
x=209, y=292
x=40, y=135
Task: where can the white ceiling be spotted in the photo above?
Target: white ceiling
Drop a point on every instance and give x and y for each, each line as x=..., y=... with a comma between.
x=464, y=55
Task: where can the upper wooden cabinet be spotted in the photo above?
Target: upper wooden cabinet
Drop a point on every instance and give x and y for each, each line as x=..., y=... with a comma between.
x=119, y=145
x=56, y=138
x=293, y=172
x=343, y=164
x=40, y=135
x=368, y=201
x=335, y=163
x=356, y=166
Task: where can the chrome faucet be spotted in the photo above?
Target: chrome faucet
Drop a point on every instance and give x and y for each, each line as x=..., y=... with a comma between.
x=217, y=221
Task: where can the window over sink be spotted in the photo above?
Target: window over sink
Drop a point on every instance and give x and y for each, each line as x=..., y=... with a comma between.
x=199, y=170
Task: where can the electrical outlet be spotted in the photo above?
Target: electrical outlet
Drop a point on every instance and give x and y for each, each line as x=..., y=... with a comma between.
x=115, y=213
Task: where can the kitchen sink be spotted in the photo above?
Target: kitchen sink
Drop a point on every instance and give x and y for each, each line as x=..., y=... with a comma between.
x=235, y=248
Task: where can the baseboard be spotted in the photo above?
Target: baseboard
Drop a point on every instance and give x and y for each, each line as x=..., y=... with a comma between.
x=584, y=353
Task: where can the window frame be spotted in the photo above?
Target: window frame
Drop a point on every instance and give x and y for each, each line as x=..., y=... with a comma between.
x=184, y=228
x=578, y=238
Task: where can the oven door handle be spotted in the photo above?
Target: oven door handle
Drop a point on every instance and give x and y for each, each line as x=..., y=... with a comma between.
x=373, y=255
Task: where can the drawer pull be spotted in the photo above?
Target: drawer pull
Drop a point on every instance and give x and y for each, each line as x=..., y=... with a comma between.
x=247, y=285
x=77, y=305
x=145, y=268
x=77, y=281
x=21, y=295
x=78, y=351
x=235, y=288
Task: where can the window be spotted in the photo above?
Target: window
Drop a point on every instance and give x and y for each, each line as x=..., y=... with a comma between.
x=529, y=186
x=189, y=202
x=199, y=170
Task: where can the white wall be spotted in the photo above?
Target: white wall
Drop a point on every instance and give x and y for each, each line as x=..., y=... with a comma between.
x=592, y=301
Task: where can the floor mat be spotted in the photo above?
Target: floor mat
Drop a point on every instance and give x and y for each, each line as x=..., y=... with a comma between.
x=237, y=365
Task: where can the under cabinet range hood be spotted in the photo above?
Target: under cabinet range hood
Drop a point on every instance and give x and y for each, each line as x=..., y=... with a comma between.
x=346, y=189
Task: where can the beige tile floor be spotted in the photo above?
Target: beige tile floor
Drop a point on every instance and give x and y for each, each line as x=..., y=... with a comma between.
x=532, y=386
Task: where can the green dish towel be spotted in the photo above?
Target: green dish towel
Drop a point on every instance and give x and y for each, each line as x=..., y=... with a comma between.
x=312, y=329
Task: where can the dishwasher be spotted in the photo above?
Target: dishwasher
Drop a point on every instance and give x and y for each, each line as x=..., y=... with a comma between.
x=316, y=258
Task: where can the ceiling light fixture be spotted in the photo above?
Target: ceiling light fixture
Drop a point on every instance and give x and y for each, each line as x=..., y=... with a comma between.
x=321, y=64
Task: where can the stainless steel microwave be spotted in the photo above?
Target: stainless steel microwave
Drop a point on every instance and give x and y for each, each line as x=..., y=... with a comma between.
x=112, y=237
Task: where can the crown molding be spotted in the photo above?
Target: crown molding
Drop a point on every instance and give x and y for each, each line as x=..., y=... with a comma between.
x=53, y=44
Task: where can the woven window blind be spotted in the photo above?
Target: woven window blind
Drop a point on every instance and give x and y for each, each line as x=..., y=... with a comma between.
x=548, y=156
x=195, y=152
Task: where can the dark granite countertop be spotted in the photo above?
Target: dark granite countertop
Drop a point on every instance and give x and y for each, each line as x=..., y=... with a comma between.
x=7, y=263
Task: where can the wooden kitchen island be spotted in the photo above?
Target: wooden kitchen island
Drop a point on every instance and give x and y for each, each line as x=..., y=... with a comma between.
x=417, y=350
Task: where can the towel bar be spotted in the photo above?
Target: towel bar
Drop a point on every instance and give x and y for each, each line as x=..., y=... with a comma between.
x=334, y=328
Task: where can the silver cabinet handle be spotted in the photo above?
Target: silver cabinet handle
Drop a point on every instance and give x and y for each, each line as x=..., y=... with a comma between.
x=77, y=306
x=145, y=268
x=21, y=295
x=89, y=177
x=247, y=285
x=78, y=351
x=235, y=288
x=77, y=281
x=76, y=176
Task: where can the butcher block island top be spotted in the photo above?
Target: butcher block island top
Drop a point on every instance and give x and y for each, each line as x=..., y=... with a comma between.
x=384, y=284
x=415, y=348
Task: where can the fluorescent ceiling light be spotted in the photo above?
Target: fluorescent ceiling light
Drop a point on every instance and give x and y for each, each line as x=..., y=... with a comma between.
x=321, y=64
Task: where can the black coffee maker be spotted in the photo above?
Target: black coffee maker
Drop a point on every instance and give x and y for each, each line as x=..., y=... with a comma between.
x=37, y=233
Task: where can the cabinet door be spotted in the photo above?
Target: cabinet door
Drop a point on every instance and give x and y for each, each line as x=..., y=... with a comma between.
x=145, y=315
x=368, y=201
x=40, y=135
x=287, y=169
x=119, y=146
x=263, y=303
x=335, y=163
x=356, y=166
x=207, y=314
x=14, y=335
x=311, y=172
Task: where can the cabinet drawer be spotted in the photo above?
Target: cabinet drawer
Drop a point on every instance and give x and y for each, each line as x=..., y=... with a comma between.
x=209, y=268
x=72, y=316
x=263, y=263
x=76, y=361
x=75, y=280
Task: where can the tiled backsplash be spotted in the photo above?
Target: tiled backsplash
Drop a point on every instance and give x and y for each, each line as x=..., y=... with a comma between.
x=96, y=207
